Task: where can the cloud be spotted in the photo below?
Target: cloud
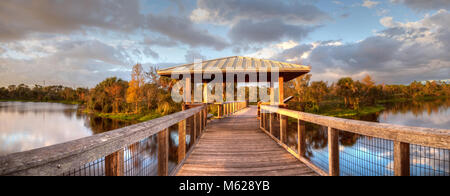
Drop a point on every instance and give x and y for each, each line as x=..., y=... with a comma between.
x=192, y=55
x=422, y=5
x=182, y=29
x=370, y=4
x=247, y=31
x=401, y=53
x=160, y=41
x=71, y=63
x=231, y=12
x=20, y=18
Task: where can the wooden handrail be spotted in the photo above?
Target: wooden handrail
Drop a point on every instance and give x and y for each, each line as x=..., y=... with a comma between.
x=59, y=158
x=437, y=138
x=402, y=136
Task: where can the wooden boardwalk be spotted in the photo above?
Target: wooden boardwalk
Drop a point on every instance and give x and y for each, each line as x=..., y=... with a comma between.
x=235, y=146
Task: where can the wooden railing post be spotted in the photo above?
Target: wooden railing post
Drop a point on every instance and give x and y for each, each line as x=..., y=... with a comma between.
x=114, y=164
x=260, y=121
x=181, y=140
x=163, y=153
x=283, y=128
x=401, y=159
x=195, y=126
x=205, y=117
x=333, y=151
x=301, y=137
x=192, y=127
x=271, y=123
x=200, y=121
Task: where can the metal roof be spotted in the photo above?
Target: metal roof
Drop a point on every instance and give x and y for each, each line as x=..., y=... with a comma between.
x=238, y=64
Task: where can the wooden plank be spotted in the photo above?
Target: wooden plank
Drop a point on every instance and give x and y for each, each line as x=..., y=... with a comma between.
x=401, y=159
x=235, y=146
x=114, y=164
x=163, y=153
x=333, y=151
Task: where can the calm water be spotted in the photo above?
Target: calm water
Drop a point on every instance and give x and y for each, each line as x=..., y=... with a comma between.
x=26, y=126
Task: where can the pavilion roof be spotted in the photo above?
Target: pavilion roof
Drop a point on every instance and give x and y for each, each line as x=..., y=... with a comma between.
x=238, y=64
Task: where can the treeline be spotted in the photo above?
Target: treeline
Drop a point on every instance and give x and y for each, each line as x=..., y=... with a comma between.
x=348, y=93
x=43, y=94
x=145, y=92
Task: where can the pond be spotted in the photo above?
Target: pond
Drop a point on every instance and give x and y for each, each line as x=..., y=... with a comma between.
x=29, y=125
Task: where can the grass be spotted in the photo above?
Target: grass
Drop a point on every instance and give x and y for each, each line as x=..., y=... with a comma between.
x=427, y=98
x=346, y=112
x=130, y=117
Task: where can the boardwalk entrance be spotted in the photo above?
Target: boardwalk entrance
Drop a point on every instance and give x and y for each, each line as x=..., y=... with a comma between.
x=235, y=146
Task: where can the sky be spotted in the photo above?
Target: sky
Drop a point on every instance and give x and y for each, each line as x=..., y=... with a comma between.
x=80, y=43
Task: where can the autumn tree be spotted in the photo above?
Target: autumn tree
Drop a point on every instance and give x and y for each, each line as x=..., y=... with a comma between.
x=136, y=84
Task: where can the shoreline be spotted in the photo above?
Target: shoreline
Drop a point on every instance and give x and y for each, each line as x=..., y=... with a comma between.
x=41, y=101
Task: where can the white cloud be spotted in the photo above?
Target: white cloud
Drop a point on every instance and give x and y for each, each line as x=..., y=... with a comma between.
x=370, y=4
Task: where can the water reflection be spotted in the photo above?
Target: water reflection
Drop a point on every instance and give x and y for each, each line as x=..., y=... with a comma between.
x=26, y=126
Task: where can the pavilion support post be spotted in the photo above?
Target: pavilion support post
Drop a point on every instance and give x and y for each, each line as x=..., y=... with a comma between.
x=188, y=90
x=205, y=92
x=401, y=159
x=281, y=90
x=163, y=153
x=272, y=94
x=333, y=151
x=181, y=140
x=114, y=164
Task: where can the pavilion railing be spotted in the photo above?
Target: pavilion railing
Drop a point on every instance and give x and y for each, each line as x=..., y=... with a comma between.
x=227, y=108
x=351, y=147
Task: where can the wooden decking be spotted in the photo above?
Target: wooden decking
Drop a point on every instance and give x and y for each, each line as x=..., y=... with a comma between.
x=234, y=146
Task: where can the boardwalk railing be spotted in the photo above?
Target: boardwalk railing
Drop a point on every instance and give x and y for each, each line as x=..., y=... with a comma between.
x=125, y=151
x=227, y=108
x=423, y=151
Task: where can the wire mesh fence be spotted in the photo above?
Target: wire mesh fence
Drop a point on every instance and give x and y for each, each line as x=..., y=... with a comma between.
x=365, y=156
x=95, y=168
x=427, y=161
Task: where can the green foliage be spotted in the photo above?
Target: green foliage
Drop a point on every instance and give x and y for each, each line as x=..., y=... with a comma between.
x=39, y=93
x=347, y=97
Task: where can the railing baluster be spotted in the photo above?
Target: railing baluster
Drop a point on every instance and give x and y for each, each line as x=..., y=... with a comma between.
x=283, y=128
x=301, y=138
x=333, y=151
x=181, y=140
x=401, y=159
x=114, y=164
x=163, y=153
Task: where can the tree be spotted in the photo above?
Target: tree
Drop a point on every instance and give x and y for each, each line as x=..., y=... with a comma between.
x=134, y=92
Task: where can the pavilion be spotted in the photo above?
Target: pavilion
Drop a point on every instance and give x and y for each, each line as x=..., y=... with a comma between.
x=252, y=69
